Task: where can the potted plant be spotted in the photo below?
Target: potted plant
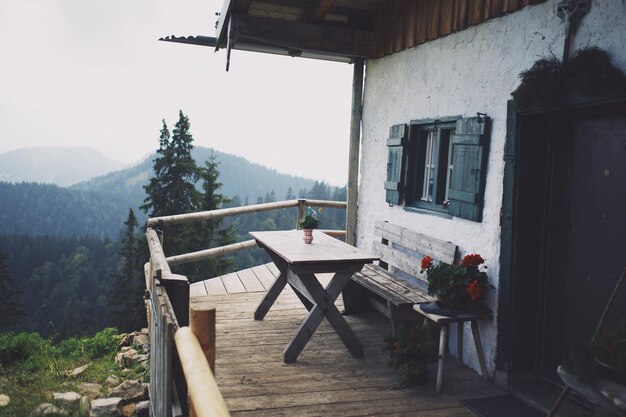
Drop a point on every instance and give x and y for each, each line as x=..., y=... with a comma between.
x=458, y=288
x=411, y=352
x=308, y=223
x=609, y=351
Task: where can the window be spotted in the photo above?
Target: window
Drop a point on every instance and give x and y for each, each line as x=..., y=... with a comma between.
x=429, y=164
x=438, y=165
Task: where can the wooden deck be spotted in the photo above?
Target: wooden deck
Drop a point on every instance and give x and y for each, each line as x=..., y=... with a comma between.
x=325, y=380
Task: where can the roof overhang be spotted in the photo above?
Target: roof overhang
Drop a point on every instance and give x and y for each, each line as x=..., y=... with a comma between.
x=343, y=30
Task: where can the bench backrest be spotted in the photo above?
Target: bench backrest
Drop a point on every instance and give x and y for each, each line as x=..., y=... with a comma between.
x=418, y=244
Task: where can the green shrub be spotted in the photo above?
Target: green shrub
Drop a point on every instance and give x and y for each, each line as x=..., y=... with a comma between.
x=18, y=348
x=102, y=343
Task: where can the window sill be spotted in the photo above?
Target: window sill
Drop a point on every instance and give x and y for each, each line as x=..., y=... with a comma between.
x=427, y=211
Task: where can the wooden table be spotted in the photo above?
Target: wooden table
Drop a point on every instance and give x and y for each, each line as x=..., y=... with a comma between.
x=298, y=263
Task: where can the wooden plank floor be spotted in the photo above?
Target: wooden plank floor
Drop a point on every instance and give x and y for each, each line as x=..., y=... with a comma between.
x=325, y=380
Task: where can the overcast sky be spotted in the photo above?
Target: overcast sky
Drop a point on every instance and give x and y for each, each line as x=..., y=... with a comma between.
x=92, y=73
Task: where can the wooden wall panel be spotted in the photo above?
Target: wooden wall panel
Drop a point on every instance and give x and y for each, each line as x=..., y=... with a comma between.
x=422, y=22
x=446, y=17
x=410, y=25
x=434, y=10
x=405, y=23
x=460, y=16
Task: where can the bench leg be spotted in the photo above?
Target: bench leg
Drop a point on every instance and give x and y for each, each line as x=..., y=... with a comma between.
x=443, y=341
x=479, y=350
x=459, y=343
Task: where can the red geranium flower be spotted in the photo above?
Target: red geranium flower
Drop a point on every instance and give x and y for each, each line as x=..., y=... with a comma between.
x=475, y=290
x=427, y=262
x=472, y=260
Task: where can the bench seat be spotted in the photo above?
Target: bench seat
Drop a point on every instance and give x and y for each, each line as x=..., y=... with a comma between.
x=376, y=288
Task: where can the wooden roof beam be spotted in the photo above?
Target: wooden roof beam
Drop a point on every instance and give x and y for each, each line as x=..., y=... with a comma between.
x=304, y=37
x=317, y=10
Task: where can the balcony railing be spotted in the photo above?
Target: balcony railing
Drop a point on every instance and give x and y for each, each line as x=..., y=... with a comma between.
x=182, y=381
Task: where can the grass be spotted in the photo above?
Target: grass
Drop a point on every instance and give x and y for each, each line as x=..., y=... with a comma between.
x=33, y=368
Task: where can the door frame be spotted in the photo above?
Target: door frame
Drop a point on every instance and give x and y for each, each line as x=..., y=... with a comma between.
x=506, y=374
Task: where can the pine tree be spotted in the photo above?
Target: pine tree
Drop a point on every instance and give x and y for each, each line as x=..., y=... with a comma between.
x=172, y=190
x=211, y=233
x=10, y=310
x=126, y=305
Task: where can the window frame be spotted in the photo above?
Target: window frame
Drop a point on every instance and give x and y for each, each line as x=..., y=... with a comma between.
x=415, y=170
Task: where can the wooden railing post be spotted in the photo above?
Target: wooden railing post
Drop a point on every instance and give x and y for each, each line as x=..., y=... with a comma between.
x=202, y=324
x=301, y=211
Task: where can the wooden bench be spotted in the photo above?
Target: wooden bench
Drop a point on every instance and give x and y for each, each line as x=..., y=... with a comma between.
x=377, y=288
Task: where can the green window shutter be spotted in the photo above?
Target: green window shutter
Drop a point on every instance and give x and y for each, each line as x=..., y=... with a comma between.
x=395, y=163
x=469, y=159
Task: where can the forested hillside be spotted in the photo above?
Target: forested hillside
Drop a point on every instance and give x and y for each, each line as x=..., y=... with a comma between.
x=239, y=177
x=45, y=209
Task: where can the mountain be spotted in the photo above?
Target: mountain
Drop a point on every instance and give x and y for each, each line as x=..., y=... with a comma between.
x=54, y=165
x=239, y=177
x=99, y=206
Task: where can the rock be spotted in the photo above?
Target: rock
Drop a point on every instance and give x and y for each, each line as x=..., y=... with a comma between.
x=125, y=340
x=68, y=398
x=142, y=409
x=141, y=358
x=112, y=380
x=90, y=389
x=125, y=357
x=48, y=410
x=141, y=340
x=4, y=400
x=145, y=330
x=106, y=407
x=84, y=407
x=131, y=390
x=75, y=373
x=129, y=410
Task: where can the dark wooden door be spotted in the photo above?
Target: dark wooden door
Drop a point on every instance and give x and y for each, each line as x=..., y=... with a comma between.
x=586, y=231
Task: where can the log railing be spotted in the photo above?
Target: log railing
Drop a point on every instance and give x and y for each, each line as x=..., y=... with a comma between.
x=182, y=358
x=180, y=369
x=301, y=204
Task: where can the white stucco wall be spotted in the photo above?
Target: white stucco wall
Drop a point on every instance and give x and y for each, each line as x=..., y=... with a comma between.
x=472, y=71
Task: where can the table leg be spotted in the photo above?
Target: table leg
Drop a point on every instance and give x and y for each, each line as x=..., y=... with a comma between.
x=324, y=306
x=271, y=296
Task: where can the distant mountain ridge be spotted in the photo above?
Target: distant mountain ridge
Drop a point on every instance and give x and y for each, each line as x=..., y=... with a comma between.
x=55, y=165
x=98, y=207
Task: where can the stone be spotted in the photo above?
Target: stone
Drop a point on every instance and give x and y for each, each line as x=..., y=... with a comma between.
x=131, y=390
x=141, y=358
x=4, y=400
x=145, y=330
x=75, y=373
x=140, y=340
x=48, y=410
x=125, y=357
x=112, y=380
x=90, y=389
x=125, y=340
x=129, y=410
x=68, y=398
x=142, y=408
x=106, y=407
x=84, y=407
